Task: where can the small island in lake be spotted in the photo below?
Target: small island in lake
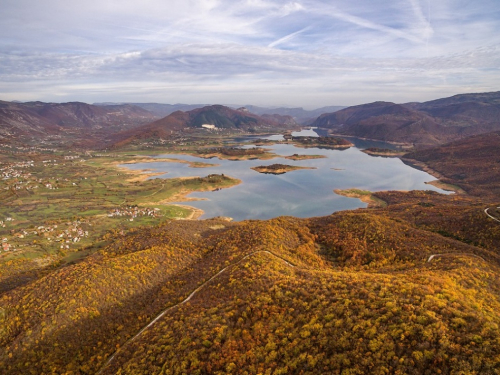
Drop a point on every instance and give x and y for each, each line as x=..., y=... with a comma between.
x=235, y=153
x=376, y=151
x=326, y=142
x=304, y=157
x=278, y=168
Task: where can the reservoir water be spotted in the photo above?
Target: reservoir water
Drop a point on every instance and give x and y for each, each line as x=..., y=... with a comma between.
x=300, y=193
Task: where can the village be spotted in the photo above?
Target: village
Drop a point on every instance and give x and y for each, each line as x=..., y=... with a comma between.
x=32, y=217
x=64, y=234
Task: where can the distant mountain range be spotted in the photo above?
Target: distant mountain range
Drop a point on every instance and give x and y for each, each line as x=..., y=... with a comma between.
x=428, y=123
x=421, y=124
x=221, y=117
x=159, y=109
x=300, y=115
x=75, y=121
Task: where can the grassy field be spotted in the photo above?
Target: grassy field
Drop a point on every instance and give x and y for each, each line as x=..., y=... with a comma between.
x=56, y=204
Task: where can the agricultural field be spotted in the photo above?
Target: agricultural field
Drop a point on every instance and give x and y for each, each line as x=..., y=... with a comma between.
x=57, y=204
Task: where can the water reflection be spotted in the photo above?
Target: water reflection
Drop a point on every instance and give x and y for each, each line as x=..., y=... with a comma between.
x=301, y=193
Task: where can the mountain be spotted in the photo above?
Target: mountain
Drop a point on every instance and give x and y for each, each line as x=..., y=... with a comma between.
x=384, y=121
x=220, y=116
x=475, y=113
x=74, y=121
x=484, y=97
x=300, y=115
x=18, y=120
x=424, y=124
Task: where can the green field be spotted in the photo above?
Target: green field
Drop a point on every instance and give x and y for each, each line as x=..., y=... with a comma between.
x=55, y=204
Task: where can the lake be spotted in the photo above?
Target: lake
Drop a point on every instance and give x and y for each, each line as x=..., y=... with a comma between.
x=300, y=193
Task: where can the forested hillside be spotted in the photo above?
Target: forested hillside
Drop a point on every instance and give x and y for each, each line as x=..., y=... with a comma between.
x=411, y=286
x=422, y=124
x=353, y=293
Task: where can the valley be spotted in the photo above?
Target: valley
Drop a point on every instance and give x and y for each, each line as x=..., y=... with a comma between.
x=104, y=268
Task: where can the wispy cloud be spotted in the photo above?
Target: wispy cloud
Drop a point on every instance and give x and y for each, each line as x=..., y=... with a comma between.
x=331, y=51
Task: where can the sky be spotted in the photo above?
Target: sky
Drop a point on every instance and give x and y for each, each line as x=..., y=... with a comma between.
x=299, y=53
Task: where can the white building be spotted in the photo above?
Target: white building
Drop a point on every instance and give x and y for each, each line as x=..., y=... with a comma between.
x=209, y=126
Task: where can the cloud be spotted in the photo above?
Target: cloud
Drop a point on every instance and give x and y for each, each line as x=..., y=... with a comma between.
x=331, y=51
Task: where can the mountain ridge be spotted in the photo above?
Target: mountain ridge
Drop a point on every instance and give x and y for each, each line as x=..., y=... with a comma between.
x=222, y=117
x=422, y=124
x=35, y=121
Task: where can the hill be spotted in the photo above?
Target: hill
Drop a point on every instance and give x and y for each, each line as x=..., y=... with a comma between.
x=298, y=114
x=353, y=291
x=223, y=118
x=430, y=123
x=385, y=121
x=471, y=163
x=33, y=122
x=410, y=287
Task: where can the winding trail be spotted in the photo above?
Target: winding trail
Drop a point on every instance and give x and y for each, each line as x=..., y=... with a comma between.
x=490, y=216
x=157, y=191
x=188, y=298
x=455, y=254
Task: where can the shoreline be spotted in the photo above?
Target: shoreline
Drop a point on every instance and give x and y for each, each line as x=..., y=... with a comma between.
x=447, y=187
x=268, y=169
x=423, y=167
x=402, y=144
x=438, y=176
x=264, y=156
x=384, y=154
x=364, y=196
x=304, y=157
x=195, y=214
x=140, y=175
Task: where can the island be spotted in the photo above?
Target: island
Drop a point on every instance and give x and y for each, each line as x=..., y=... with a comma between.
x=278, y=168
x=235, y=153
x=325, y=142
x=304, y=157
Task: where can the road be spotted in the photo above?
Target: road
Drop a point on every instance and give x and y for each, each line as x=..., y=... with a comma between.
x=188, y=298
x=454, y=254
x=490, y=216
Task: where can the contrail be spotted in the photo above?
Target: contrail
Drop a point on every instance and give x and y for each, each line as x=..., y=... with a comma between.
x=287, y=37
